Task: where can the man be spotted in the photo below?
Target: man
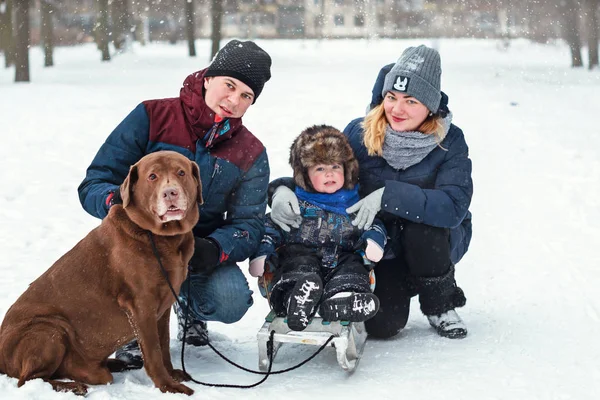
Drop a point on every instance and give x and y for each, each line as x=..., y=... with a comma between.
x=204, y=124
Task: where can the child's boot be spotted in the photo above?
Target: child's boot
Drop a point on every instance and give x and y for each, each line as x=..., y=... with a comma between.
x=349, y=306
x=303, y=299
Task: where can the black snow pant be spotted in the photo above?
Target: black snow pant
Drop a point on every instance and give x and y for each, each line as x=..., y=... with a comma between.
x=422, y=267
x=297, y=261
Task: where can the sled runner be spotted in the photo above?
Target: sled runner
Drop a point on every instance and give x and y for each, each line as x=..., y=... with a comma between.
x=349, y=339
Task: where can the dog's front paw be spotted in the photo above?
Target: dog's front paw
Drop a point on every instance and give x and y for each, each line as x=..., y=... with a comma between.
x=175, y=387
x=180, y=376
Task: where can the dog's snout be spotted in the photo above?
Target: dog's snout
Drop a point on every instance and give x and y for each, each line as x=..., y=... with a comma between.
x=170, y=193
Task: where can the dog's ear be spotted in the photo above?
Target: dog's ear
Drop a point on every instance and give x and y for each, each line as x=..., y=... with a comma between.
x=196, y=173
x=128, y=184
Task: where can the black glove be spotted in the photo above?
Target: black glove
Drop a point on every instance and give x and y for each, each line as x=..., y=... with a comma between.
x=207, y=254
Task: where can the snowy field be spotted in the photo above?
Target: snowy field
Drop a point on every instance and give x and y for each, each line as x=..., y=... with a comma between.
x=531, y=276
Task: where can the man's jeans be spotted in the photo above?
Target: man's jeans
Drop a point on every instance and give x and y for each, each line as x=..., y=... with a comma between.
x=223, y=296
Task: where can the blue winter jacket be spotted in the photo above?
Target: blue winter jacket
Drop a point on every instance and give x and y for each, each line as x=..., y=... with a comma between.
x=329, y=231
x=234, y=168
x=437, y=191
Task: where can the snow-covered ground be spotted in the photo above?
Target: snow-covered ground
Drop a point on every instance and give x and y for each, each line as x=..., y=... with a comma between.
x=531, y=276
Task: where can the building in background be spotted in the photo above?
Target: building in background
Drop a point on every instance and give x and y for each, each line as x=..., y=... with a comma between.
x=164, y=20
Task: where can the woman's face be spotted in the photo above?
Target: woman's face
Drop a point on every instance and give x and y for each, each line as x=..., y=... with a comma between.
x=326, y=178
x=403, y=112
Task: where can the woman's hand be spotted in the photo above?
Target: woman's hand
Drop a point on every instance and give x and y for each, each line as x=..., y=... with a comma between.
x=285, y=210
x=366, y=209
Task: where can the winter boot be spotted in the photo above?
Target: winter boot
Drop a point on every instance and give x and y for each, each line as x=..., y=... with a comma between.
x=130, y=355
x=302, y=302
x=448, y=325
x=197, y=332
x=348, y=306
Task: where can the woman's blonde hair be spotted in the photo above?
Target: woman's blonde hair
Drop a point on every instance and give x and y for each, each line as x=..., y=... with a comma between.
x=375, y=123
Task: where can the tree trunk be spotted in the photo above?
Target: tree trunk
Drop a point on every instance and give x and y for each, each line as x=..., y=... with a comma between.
x=47, y=33
x=592, y=13
x=120, y=22
x=216, y=18
x=22, y=41
x=570, y=29
x=190, y=26
x=6, y=33
x=102, y=29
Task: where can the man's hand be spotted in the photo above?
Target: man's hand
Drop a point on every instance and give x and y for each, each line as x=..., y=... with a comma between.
x=285, y=210
x=206, y=256
x=367, y=209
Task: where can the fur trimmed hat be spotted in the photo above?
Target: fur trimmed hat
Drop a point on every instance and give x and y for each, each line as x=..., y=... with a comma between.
x=322, y=144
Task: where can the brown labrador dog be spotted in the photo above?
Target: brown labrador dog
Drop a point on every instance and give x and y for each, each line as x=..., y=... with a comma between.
x=109, y=288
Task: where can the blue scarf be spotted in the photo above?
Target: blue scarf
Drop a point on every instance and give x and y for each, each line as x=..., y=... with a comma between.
x=334, y=202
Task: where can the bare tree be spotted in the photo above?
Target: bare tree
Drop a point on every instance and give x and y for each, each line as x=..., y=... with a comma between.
x=190, y=26
x=121, y=26
x=570, y=29
x=102, y=29
x=6, y=32
x=47, y=31
x=22, y=41
x=216, y=19
x=591, y=11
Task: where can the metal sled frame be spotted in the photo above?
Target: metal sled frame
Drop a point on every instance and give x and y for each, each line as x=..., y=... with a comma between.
x=349, y=339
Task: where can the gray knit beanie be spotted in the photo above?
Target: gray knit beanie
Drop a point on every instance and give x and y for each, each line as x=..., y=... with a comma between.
x=417, y=73
x=244, y=61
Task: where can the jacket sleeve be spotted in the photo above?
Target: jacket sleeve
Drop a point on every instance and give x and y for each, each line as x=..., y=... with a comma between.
x=283, y=181
x=244, y=226
x=444, y=206
x=376, y=233
x=125, y=146
x=272, y=239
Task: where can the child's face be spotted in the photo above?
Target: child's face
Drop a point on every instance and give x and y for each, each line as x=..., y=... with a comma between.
x=326, y=178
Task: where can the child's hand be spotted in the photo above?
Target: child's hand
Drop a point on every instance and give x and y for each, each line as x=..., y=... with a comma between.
x=373, y=252
x=257, y=266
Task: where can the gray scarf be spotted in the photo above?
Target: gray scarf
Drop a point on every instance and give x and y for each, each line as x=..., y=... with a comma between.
x=405, y=149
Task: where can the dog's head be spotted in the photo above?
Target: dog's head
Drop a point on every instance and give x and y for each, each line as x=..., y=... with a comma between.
x=161, y=193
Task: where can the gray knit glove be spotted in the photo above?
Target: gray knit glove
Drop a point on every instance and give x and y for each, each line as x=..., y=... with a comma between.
x=367, y=209
x=285, y=210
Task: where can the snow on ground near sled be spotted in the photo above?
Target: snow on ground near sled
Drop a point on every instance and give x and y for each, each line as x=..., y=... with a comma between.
x=531, y=276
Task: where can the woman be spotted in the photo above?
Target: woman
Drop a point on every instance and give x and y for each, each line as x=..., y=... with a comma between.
x=415, y=174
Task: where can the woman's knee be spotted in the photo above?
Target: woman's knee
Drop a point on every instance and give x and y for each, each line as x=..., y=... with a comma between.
x=386, y=327
x=423, y=235
x=426, y=249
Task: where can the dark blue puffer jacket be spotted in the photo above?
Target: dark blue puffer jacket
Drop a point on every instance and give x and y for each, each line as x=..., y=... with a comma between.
x=234, y=168
x=437, y=191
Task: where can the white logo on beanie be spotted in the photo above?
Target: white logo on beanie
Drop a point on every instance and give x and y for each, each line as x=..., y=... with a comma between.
x=401, y=83
x=414, y=62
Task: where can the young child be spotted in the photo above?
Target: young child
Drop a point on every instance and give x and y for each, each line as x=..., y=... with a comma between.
x=322, y=261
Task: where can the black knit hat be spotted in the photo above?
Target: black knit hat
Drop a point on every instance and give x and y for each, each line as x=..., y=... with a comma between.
x=244, y=61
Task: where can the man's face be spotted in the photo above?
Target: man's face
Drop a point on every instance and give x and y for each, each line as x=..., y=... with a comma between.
x=227, y=96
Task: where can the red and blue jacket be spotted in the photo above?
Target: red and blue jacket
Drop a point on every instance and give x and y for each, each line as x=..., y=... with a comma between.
x=234, y=167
